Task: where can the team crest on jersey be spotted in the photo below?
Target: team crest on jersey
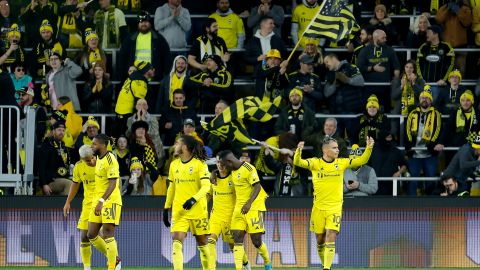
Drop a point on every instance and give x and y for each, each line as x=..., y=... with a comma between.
x=238, y=176
x=229, y=184
x=336, y=166
x=190, y=170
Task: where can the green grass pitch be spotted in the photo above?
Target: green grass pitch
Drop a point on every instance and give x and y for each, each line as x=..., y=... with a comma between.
x=164, y=268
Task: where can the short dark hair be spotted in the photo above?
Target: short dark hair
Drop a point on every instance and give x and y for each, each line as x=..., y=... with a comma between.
x=104, y=139
x=223, y=154
x=265, y=17
x=178, y=91
x=207, y=24
x=445, y=178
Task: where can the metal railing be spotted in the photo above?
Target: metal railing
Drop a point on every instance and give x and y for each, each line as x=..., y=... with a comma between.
x=9, y=142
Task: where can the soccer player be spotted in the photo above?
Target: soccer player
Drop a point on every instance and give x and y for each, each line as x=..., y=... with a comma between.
x=221, y=215
x=327, y=174
x=107, y=201
x=249, y=208
x=186, y=196
x=83, y=173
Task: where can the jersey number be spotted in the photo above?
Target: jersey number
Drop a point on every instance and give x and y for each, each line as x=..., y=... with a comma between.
x=337, y=219
x=109, y=213
x=258, y=221
x=201, y=223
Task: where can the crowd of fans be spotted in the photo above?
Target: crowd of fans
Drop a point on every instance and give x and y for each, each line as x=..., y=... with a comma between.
x=172, y=67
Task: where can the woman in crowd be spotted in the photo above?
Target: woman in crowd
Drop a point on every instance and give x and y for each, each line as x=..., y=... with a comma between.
x=142, y=147
x=91, y=54
x=97, y=94
x=381, y=21
x=418, y=31
x=140, y=182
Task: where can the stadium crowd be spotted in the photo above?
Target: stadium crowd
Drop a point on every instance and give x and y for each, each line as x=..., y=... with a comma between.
x=173, y=67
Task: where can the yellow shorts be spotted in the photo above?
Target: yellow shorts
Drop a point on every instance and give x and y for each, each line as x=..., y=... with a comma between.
x=322, y=220
x=252, y=222
x=221, y=226
x=197, y=226
x=110, y=214
x=84, y=215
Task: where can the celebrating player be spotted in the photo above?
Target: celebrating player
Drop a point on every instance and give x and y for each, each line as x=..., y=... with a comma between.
x=221, y=214
x=108, y=202
x=186, y=196
x=83, y=173
x=249, y=208
x=327, y=174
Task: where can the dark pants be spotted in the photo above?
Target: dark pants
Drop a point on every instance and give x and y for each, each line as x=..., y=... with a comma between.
x=416, y=165
x=120, y=126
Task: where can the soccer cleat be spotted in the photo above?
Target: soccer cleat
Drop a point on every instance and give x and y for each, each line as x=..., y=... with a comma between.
x=118, y=264
x=268, y=266
x=246, y=266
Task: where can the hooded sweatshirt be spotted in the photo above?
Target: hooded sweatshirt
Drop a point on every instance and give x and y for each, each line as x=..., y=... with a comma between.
x=73, y=124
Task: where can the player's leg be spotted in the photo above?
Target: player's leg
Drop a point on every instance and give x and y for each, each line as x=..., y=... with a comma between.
x=85, y=250
x=94, y=238
x=201, y=230
x=238, y=249
x=212, y=247
x=255, y=227
x=320, y=245
x=177, y=248
x=332, y=226
x=110, y=219
x=317, y=226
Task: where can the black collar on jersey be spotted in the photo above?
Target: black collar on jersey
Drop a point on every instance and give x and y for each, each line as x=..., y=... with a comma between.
x=225, y=176
x=187, y=160
x=328, y=161
x=104, y=155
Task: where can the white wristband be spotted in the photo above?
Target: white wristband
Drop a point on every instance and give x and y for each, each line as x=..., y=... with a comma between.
x=102, y=200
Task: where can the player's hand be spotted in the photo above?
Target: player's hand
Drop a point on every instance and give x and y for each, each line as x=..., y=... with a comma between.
x=300, y=145
x=98, y=209
x=66, y=209
x=213, y=176
x=246, y=208
x=166, y=220
x=47, y=190
x=189, y=203
x=370, y=142
x=286, y=151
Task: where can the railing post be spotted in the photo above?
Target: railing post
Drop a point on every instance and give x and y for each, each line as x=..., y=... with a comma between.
x=394, y=188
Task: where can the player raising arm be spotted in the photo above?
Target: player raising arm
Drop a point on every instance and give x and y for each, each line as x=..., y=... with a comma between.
x=186, y=196
x=327, y=178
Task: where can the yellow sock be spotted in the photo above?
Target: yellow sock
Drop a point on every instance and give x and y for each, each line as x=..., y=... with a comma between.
x=238, y=253
x=112, y=252
x=204, y=256
x=245, y=258
x=99, y=244
x=263, y=251
x=177, y=255
x=321, y=251
x=212, y=246
x=86, y=252
x=329, y=254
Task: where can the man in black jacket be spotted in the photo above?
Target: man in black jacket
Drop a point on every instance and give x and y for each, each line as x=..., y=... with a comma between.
x=271, y=79
x=309, y=82
x=54, y=164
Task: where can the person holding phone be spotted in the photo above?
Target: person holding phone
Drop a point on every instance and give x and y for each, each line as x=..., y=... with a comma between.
x=359, y=181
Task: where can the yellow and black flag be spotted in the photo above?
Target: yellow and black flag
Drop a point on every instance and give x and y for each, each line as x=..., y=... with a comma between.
x=229, y=124
x=334, y=20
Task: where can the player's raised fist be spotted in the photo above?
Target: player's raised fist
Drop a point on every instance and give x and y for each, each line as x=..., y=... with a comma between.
x=301, y=145
x=370, y=142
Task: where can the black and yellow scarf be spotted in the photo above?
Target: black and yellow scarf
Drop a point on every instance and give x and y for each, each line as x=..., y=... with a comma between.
x=111, y=29
x=408, y=98
x=369, y=125
x=462, y=118
x=129, y=5
x=431, y=129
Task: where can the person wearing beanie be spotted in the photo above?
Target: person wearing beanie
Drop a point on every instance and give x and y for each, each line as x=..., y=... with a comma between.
x=35, y=14
x=359, y=181
x=91, y=54
x=296, y=118
x=449, y=97
x=90, y=129
x=147, y=45
x=42, y=50
x=110, y=25
x=140, y=182
x=13, y=52
x=371, y=122
x=71, y=23
x=381, y=21
x=423, y=129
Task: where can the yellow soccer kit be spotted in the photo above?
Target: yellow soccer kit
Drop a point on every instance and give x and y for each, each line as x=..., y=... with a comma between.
x=302, y=15
x=107, y=168
x=229, y=27
x=327, y=178
x=223, y=204
x=243, y=180
x=188, y=179
x=82, y=173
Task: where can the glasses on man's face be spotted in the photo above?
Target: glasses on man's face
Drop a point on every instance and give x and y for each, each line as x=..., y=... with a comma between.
x=20, y=70
x=22, y=94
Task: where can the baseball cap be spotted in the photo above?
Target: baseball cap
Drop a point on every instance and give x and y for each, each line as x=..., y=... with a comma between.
x=189, y=121
x=306, y=59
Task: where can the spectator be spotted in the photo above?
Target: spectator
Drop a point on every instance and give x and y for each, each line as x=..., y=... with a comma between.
x=308, y=82
x=122, y=154
x=14, y=52
x=245, y=155
x=54, y=163
x=27, y=95
x=301, y=17
x=295, y=118
x=262, y=42
x=60, y=116
x=73, y=121
x=19, y=78
x=134, y=88
x=43, y=49
x=71, y=23
x=142, y=147
x=387, y=161
x=131, y=5
x=266, y=9
x=312, y=50
x=91, y=54
x=213, y=84
x=171, y=121
x=271, y=79
x=365, y=38
x=146, y=45
x=90, y=130
x=378, y=62
x=209, y=43
x=360, y=181
x=449, y=99
x=452, y=188
x=97, y=93
x=423, y=129
x=230, y=25
x=61, y=80
x=189, y=129
x=173, y=22
x=418, y=31
x=372, y=122
x=171, y=82
x=140, y=183
x=142, y=114
x=476, y=24
x=6, y=20
x=110, y=25
x=406, y=91
x=381, y=21
x=34, y=15
x=329, y=130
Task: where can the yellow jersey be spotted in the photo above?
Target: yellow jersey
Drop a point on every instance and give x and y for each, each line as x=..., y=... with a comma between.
x=188, y=179
x=82, y=173
x=223, y=198
x=302, y=15
x=243, y=180
x=229, y=27
x=327, y=177
x=107, y=168
x=131, y=90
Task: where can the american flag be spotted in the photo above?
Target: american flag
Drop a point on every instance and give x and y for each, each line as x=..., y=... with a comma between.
x=334, y=20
